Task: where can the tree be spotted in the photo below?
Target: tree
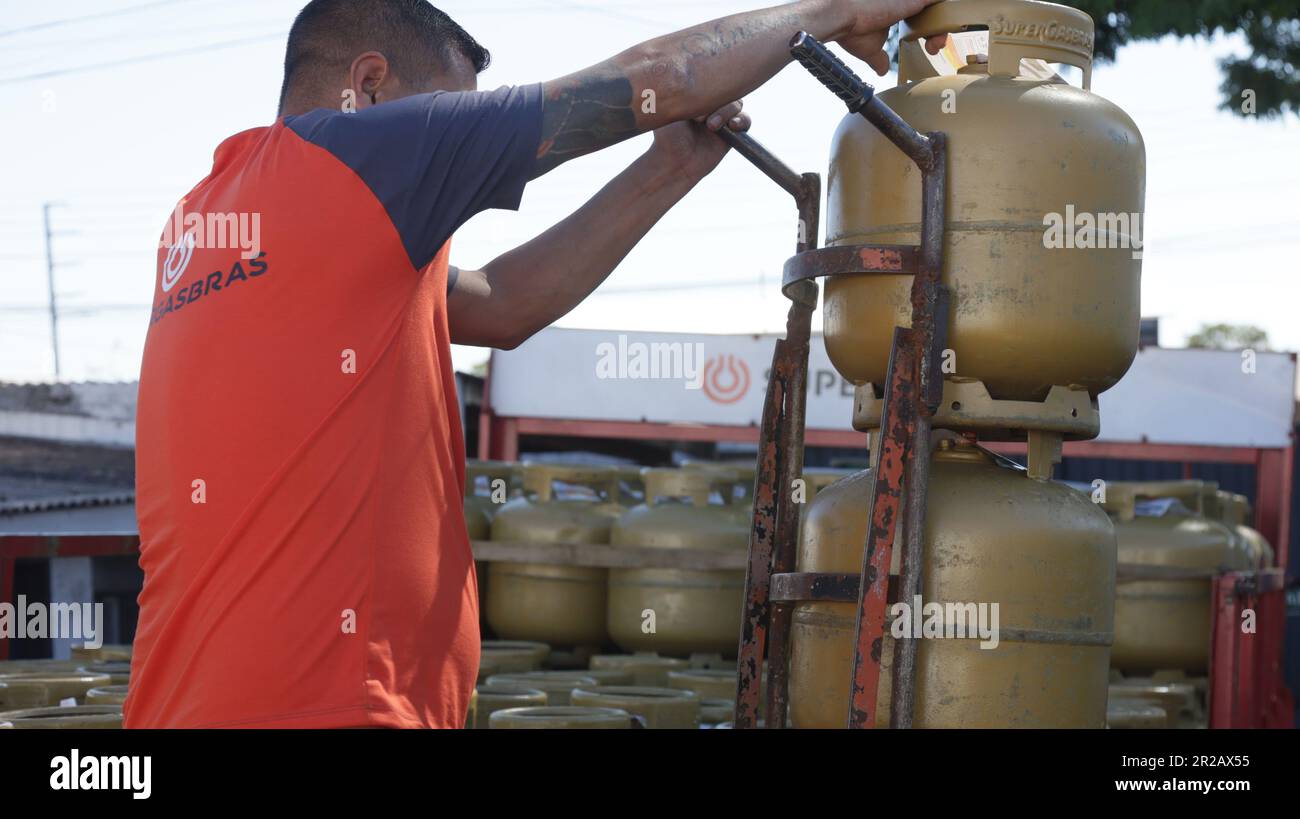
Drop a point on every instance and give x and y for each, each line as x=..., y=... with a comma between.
x=1228, y=337
x=1265, y=83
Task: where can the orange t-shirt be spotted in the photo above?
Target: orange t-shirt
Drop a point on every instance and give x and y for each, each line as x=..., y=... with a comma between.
x=300, y=460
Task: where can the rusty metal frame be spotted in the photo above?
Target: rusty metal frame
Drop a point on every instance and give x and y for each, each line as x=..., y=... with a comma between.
x=901, y=460
x=912, y=393
x=780, y=459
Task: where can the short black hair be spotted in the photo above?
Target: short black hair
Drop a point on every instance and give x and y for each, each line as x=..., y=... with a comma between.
x=417, y=39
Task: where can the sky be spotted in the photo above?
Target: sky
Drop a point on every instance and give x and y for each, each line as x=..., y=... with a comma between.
x=114, y=107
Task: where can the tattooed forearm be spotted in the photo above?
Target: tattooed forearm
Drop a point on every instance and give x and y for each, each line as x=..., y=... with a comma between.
x=584, y=115
x=726, y=34
x=690, y=73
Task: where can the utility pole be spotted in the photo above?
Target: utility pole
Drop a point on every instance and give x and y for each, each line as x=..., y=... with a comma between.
x=54, y=306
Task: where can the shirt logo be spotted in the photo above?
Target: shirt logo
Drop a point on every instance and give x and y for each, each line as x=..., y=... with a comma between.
x=178, y=258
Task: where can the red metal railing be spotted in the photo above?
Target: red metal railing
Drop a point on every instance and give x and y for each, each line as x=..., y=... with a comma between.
x=1246, y=685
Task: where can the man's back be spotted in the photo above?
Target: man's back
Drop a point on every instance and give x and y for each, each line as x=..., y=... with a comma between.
x=300, y=458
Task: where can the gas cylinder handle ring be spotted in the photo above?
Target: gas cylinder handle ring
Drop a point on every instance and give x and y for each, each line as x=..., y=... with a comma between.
x=1017, y=29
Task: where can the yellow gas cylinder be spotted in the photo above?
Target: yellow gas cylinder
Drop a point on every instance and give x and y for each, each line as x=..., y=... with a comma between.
x=489, y=485
x=487, y=666
x=817, y=478
x=708, y=683
x=713, y=712
x=1135, y=714
x=1230, y=509
x=631, y=486
x=72, y=717
x=1179, y=701
x=488, y=699
x=119, y=672
x=657, y=707
x=1032, y=308
x=1165, y=623
x=1208, y=502
x=716, y=685
x=1268, y=557
x=740, y=476
x=693, y=610
x=58, y=666
x=479, y=527
x=1044, y=553
x=577, y=658
x=1218, y=505
x=512, y=656
x=1258, y=546
x=557, y=685
x=702, y=659
x=1237, y=514
x=612, y=675
x=558, y=605
x=646, y=669
x=561, y=718
x=59, y=685
x=743, y=495
x=16, y=694
x=108, y=695
x=107, y=653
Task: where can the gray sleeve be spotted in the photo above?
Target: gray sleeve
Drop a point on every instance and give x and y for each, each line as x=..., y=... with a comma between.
x=435, y=160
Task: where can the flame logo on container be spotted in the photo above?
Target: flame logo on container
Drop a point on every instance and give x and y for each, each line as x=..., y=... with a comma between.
x=726, y=379
x=178, y=258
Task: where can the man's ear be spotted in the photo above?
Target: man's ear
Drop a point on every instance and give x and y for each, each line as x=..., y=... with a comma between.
x=370, y=79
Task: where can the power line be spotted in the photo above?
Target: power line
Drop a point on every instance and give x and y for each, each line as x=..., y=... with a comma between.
x=617, y=15
x=84, y=17
x=151, y=35
x=717, y=284
x=161, y=55
x=79, y=310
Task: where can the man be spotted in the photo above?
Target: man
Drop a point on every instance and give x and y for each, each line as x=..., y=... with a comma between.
x=299, y=454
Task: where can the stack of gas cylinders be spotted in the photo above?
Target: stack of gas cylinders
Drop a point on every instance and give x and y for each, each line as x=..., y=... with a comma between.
x=1183, y=533
x=551, y=665
x=1037, y=329
x=86, y=691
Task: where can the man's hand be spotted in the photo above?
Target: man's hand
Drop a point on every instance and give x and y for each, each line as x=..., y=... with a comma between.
x=870, y=29
x=694, y=147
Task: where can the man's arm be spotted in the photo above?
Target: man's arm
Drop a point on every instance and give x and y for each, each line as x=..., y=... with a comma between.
x=693, y=72
x=530, y=287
